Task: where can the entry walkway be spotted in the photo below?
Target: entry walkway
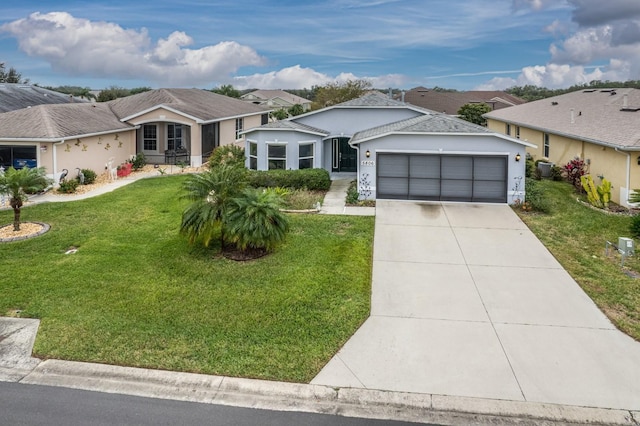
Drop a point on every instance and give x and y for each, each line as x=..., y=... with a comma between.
x=466, y=301
x=335, y=200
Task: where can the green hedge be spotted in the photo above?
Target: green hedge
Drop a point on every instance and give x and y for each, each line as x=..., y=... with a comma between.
x=311, y=179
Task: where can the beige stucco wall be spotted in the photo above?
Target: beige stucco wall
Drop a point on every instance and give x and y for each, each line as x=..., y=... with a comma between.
x=602, y=161
x=228, y=129
x=93, y=152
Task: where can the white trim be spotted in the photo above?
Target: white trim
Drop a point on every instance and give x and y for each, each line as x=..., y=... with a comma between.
x=431, y=151
x=66, y=138
x=231, y=117
x=282, y=129
x=313, y=153
x=286, y=157
x=497, y=135
x=161, y=106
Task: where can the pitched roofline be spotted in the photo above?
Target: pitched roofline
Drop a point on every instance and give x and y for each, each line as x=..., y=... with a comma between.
x=231, y=117
x=568, y=135
x=484, y=134
x=282, y=129
x=59, y=139
x=162, y=106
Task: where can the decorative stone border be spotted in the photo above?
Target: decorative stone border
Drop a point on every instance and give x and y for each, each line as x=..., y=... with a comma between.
x=45, y=228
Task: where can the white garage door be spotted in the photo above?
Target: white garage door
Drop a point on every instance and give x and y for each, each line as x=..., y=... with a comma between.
x=470, y=178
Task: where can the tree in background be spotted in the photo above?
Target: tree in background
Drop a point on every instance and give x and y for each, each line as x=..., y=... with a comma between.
x=473, y=113
x=11, y=76
x=75, y=91
x=279, y=114
x=227, y=90
x=336, y=93
x=115, y=92
x=296, y=109
x=534, y=93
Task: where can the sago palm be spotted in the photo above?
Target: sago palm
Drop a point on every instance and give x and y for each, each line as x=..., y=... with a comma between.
x=254, y=220
x=210, y=193
x=18, y=183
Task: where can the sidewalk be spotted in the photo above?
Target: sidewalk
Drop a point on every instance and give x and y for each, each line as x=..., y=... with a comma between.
x=335, y=201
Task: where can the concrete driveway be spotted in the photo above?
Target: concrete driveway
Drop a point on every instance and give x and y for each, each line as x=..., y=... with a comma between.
x=466, y=301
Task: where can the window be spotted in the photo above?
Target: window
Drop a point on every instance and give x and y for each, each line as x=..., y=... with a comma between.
x=253, y=156
x=517, y=132
x=305, y=155
x=277, y=157
x=174, y=136
x=149, y=137
x=545, y=151
x=264, y=119
x=507, y=129
x=239, y=126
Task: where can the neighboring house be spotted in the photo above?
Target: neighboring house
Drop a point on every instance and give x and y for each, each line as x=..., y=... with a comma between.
x=451, y=102
x=15, y=96
x=276, y=99
x=600, y=126
x=397, y=151
x=167, y=125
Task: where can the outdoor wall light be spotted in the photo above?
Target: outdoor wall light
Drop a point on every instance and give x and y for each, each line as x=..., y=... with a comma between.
x=518, y=157
x=368, y=153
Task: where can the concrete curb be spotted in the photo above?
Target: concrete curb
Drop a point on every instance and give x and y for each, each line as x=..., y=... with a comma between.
x=349, y=402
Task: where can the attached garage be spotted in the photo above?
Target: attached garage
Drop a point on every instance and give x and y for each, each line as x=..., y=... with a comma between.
x=441, y=177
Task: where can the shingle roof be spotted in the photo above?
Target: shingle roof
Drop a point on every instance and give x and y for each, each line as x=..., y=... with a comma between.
x=201, y=104
x=371, y=99
x=270, y=94
x=451, y=102
x=292, y=125
x=598, y=116
x=17, y=96
x=430, y=123
x=59, y=121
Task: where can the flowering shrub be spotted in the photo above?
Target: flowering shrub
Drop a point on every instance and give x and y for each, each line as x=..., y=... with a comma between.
x=573, y=172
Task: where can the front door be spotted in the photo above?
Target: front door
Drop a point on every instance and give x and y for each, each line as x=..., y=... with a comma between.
x=343, y=157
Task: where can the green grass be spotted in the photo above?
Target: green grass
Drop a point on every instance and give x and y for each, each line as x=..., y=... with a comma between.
x=576, y=235
x=137, y=294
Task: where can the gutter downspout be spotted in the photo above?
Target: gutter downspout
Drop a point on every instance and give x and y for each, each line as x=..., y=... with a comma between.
x=55, y=160
x=628, y=182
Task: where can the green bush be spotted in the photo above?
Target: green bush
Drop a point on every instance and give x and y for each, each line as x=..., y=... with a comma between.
x=311, y=179
x=530, y=168
x=227, y=154
x=68, y=186
x=535, y=199
x=556, y=173
x=89, y=176
x=352, y=193
x=138, y=162
x=634, y=228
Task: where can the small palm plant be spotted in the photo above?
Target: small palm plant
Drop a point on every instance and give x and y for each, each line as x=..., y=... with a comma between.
x=17, y=183
x=254, y=220
x=211, y=193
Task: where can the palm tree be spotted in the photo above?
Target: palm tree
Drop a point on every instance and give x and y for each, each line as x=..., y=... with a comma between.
x=254, y=220
x=210, y=193
x=18, y=183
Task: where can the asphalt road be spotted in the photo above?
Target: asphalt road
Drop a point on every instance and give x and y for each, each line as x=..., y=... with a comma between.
x=42, y=405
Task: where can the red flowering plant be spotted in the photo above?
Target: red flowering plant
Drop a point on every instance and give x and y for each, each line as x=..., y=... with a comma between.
x=573, y=171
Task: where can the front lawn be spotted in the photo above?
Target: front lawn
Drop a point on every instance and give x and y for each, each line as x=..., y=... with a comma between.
x=136, y=294
x=576, y=235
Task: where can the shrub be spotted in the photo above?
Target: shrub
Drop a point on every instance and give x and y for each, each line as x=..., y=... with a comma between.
x=573, y=172
x=228, y=154
x=68, y=186
x=311, y=179
x=89, y=176
x=634, y=228
x=535, y=199
x=556, y=173
x=138, y=162
x=352, y=193
x=530, y=167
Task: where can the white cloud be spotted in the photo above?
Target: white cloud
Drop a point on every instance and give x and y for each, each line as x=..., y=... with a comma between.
x=102, y=49
x=297, y=77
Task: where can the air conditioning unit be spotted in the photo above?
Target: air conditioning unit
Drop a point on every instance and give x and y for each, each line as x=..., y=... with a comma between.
x=545, y=168
x=625, y=246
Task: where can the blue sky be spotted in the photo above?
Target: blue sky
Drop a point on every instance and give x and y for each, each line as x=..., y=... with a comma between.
x=459, y=44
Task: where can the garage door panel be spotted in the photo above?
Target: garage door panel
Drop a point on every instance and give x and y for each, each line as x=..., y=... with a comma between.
x=393, y=187
x=490, y=168
x=456, y=190
x=442, y=177
x=457, y=167
x=393, y=166
x=424, y=189
x=424, y=166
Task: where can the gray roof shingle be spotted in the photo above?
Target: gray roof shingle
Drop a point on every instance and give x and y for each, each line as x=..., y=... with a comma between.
x=201, y=104
x=55, y=122
x=292, y=125
x=430, y=123
x=597, y=116
x=17, y=96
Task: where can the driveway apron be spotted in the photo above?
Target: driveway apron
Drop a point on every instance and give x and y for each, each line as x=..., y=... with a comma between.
x=466, y=301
